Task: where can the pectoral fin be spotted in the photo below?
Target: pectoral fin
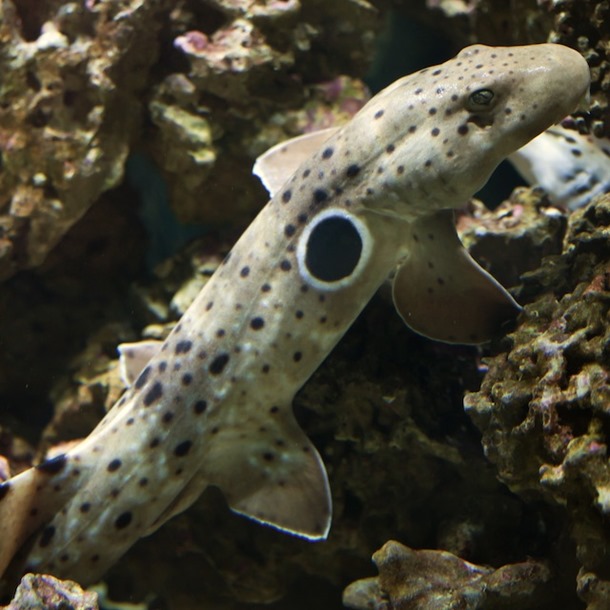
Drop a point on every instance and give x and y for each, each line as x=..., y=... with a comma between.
x=442, y=293
x=270, y=471
x=278, y=163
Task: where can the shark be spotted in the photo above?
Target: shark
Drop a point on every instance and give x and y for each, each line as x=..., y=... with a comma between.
x=211, y=405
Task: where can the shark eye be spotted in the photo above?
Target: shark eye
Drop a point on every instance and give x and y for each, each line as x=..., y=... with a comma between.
x=480, y=98
x=333, y=249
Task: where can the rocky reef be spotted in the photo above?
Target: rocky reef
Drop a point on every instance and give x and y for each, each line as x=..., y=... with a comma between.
x=199, y=89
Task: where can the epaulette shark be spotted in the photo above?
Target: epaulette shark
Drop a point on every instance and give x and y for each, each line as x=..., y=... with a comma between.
x=212, y=404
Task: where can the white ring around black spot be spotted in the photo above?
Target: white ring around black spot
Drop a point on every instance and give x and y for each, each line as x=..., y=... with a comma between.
x=358, y=229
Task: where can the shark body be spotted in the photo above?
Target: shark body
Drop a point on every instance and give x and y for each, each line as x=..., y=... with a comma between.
x=213, y=404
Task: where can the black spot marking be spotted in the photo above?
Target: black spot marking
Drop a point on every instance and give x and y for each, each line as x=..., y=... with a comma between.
x=209, y=305
x=462, y=129
x=123, y=520
x=435, y=131
x=265, y=288
x=432, y=111
x=428, y=163
x=289, y=230
x=200, y=406
x=202, y=355
x=400, y=169
x=299, y=314
x=390, y=148
x=268, y=456
x=378, y=114
x=285, y=265
x=220, y=333
x=54, y=465
x=265, y=368
x=167, y=417
x=143, y=482
x=162, y=366
x=114, y=465
x=85, y=507
x=257, y=323
x=143, y=378
x=412, y=128
x=183, y=347
x=274, y=410
x=333, y=249
x=352, y=170
x=440, y=281
x=177, y=366
x=4, y=489
x=297, y=356
x=47, y=535
x=302, y=218
x=153, y=394
x=182, y=448
x=155, y=442
x=319, y=196
x=287, y=196
x=187, y=379
x=327, y=153
x=245, y=271
x=218, y=364
x=576, y=152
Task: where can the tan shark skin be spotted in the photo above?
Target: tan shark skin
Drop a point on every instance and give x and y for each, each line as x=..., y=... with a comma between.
x=213, y=406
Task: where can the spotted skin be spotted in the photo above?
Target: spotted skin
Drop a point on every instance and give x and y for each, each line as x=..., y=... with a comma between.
x=572, y=168
x=213, y=405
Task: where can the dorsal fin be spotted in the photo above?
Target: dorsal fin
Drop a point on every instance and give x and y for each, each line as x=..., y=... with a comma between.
x=441, y=292
x=278, y=163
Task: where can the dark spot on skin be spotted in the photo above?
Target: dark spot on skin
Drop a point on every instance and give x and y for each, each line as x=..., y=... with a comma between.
x=265, y=288
x=297, y=356
x=436, y=72
x=299, y=314
x=432, y=111
x=257, y=323
x=508, y=111
x=287, y=196
x=418, y=90
x=215, y=430
x=428, y=163
x=435, y=131
x=4, y=489
x=412, y=128
x=245, y=271
x=440, y=281
x=327, y=153
x=333, y=249
x=123, y=520
x=462, y=129
x=268, y=456
x=142, y=379
x=285, y=265
x=323, y=320
x=265, y=368
x=289, y=230
x=167, y=417
x=187, y=379
x=202, y=355
x=143, y=482
x=153, y=394
x=53, y=466
x=85, y=507
x=162, y=366
x=302, y=218
x=183, y=347
x=378, y=114
x=352, y=170
x=200, y=406
x=177, y=366
x=33, y=512
x=209, y=305
x=155, y=442
x=274, y=410
x=576, y=152
x=320, y=195
x=182, y=448
x=114, y=465
x=47, y=535
x=390, y=148
x=218, y=364
x=220, y=333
